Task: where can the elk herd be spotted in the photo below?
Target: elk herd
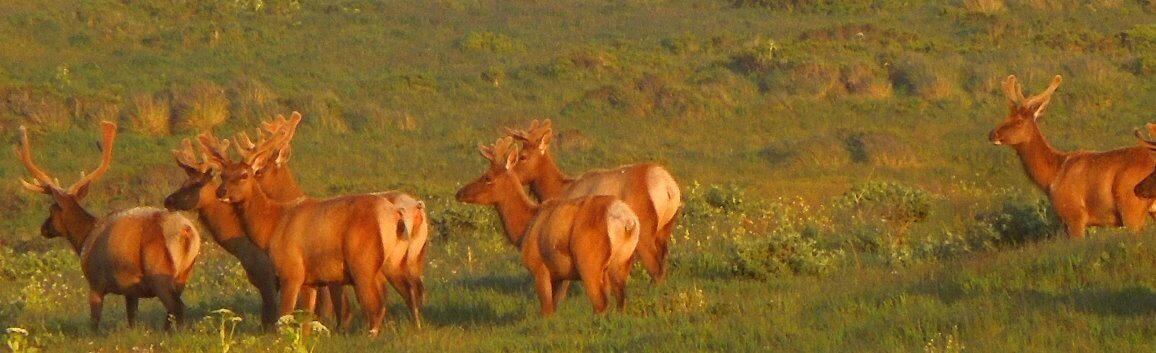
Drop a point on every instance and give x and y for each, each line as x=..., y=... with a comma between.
x=301, y=252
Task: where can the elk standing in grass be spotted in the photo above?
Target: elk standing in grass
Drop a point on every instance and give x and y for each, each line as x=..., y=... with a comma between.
x=142, y=252
x=647, y=188
x=198, y=193
x=403, y=270
x=330, y=242
x=590, y=238
x=1084, y=188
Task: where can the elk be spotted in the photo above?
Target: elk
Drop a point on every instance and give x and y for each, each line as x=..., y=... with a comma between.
x=589, y=238
x=1147, y=187
x=1084, y=188
x=330, y=242
x=142, y=252
x=647, y=188
x=404, y=271
x=198, y=193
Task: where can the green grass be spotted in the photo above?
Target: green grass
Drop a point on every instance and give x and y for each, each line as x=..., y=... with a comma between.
x=766, y=112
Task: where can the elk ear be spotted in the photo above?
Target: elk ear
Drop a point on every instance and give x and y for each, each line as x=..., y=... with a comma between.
x=544, y=143
x=511, y=159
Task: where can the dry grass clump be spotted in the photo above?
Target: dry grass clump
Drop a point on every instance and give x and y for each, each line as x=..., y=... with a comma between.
x=984, y=7
x=39, y=112
x=253, y=101
x=923, y=77
x=150, y=115
x=200, y=107
x=325, y=110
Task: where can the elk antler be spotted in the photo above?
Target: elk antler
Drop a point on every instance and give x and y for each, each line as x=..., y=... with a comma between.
x=214, y=149
x=108, y=133
x=40, y=180
x=534, y=134
x=1012, y=90
x=1040, y=101
x=187, y=158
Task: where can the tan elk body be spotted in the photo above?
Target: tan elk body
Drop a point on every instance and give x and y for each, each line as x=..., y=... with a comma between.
x=326, y=242
x=141, y=252
x=649, y=190
x=590, y=238
x=1084, y=188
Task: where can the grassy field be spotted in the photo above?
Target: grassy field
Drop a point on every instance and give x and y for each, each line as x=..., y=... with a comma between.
x=798, y=130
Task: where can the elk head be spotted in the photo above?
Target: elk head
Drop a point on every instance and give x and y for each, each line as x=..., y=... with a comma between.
x=1147, y=187
x=66, y=216
x=498, y=180
x=199, y=186
x=238, y=178
x=1020, y=126
x=535, y=144
x=276, y=171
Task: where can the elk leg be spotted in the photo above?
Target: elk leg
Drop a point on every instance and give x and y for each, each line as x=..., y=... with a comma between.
x=95, y=305
x=544, y=286
x=290, y=288
x=336, y=294
x=323, y=305
x=165, y=290
x=259, y=270
x=617, y=275
x=662, y=246
x=560, y=290
x=402, y=286
x=130, y=309
x=647, y=252
x=368, y=293
x=593, y=280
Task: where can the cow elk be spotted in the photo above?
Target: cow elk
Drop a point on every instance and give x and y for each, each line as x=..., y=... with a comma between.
x=647, y=188
x=589, y=238
x=1084, y=188
x=141, y=252
x=329, y=242
x=404, y=270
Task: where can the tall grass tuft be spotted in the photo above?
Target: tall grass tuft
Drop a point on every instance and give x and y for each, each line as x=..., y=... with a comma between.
x=200, y=107
x=252, y=101
x=150, y=115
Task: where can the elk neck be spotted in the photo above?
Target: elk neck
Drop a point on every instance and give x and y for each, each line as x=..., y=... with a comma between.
x=1040, y=160
x=516, y=211
x=551, y=181
x=260, y=215
x=78, y=226
x=222, y=221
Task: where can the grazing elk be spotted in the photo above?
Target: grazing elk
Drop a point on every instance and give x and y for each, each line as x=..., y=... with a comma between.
x=198, y=193
x=1084, y=188
x=589, y=238
x=647, y=188
x=142, y=252
x=330, y=242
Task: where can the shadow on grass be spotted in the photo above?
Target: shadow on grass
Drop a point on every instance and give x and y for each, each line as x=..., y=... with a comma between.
x=519, y=284
x=1128, y=301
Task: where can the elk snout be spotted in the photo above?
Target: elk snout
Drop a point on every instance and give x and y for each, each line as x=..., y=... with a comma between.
x=994, y=137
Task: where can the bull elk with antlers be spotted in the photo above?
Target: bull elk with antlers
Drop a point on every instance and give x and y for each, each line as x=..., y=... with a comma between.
x=647, y=188
x=1084, y=188
x=590, y=238
x=142, y=252
x=329, y=242
x=198, y=193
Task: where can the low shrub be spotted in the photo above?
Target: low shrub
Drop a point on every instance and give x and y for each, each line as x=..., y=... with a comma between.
x=781, y=253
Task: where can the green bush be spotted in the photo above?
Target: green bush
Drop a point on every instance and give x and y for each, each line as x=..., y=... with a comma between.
x=875, y=218
x=781, y=254
x=1017, y=223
